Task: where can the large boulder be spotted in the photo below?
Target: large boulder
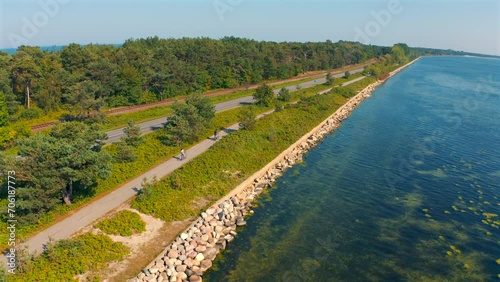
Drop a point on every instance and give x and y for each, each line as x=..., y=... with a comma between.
x=195, y=278
x=182, y=276
x=200, y=249
x=173, y=254
x=205, y=265
x=240, y=221
x=197, y=270
x=210, y=253
x=199, y=257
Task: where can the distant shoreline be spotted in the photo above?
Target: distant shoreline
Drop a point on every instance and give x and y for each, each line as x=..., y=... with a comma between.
x=55, y=48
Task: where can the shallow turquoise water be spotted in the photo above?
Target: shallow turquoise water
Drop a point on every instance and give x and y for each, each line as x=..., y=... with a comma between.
x=406, y=190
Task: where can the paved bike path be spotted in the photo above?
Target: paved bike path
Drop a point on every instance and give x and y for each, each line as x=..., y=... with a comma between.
x=98, y=208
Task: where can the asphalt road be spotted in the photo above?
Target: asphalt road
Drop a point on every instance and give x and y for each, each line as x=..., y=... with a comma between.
x=115, y=135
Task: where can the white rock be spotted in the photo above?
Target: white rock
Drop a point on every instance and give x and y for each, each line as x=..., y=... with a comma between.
x=199, y=257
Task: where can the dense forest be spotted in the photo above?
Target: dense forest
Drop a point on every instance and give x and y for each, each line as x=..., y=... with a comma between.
x=70, y=157
x=87, y=78
x=147, y=70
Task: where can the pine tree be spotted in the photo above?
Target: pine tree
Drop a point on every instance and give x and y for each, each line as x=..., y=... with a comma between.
x=284, y=95
x=247, y=118
x=67, y=159
x=132, y=135
x=329, y=79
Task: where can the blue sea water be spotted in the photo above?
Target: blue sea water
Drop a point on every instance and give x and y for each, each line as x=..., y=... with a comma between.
x=11, y=51
x=54, y=48
x=408, y=189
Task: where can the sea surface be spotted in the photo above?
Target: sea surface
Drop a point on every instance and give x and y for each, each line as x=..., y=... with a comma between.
x=408, y=189
x=54, y=48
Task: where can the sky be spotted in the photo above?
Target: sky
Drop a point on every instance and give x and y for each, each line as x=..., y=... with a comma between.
x=463, y=25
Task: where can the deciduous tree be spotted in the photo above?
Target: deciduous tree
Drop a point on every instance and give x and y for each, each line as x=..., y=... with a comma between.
x=4, y=115
x=264, y=95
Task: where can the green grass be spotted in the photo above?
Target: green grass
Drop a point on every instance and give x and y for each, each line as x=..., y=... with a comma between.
x=210, y=176
x=342, y=80
x=360, y=85
x=66, y=258
x=244, y=93
x=233, y=159
x=48, y=117
x=124, y=223
x=291, y=83
x=150, y=154
x=119, y=121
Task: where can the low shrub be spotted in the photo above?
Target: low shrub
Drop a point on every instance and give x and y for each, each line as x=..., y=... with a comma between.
x=62, y=260
x=7, y=137
x=233, y=159
x=153, y=152
x=149, y=154
x=30, y=113
x=9, y=134
x=344, y=92
x=118, y=121
x=124, y=223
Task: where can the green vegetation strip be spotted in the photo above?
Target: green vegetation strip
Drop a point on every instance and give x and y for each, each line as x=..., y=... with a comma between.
x=67, y=258
x=150, y=153
x=124, y=223
x=119, y=121
x=210, y=176
x=235, y=158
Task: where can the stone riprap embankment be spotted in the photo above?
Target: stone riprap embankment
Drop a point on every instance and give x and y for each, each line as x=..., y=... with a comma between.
x=193, y=251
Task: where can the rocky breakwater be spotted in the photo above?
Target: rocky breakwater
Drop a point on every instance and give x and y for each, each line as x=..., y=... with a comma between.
x=193, y=251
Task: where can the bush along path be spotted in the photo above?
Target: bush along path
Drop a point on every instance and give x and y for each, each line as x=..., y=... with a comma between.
x=99, y=208
x=193, y=251
x=85, y=216
x=123, y=221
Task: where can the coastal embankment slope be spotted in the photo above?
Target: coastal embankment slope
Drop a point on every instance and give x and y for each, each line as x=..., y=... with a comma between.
x=193, y=251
